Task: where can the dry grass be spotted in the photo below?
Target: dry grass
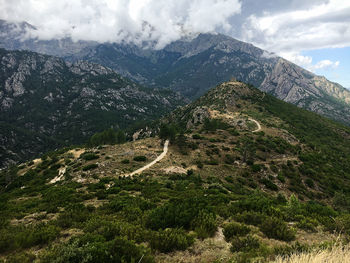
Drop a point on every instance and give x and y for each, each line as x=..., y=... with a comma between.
x=337, y=254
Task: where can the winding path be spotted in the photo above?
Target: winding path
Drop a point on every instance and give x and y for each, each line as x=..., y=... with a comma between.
x=160, y=157
x=257, y=123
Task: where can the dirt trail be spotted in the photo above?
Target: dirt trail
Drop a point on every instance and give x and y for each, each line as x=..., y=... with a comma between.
x=160, y=157
x=257, y=123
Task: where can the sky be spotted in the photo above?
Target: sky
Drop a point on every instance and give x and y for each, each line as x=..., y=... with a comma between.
x=314, y=34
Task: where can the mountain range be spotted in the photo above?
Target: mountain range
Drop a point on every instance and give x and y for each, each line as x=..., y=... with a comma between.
x=195, y=64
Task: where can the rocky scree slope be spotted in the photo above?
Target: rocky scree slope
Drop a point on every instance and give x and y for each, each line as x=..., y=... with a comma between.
x=45, y=98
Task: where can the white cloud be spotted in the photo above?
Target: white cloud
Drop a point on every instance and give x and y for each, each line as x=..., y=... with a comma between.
x=307, y=62
x=326, y=64
x=289, y=32
x=116, y=20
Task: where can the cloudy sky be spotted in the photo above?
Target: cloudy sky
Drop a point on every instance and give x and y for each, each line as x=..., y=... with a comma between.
x=314, y=34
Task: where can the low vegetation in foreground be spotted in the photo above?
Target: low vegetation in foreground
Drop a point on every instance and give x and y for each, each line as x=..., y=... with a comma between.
x=226, y=191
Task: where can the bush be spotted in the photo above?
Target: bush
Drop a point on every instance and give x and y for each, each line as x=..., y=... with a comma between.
x=235, y=229
x=107, y=137
x=167, y=132
x=309, y=182
x=37, y=235
x=245, y=244
x=89, y=156
x=140, y=158
x=205, y=224
x=23, y=257
x=94, y=249
x=307, y=224
x=125, y=161
x=90, y=166
x=269, y=184
x=342, y=224
x=170, y=239
x=274, y=227
x=176, y=214
x=73, y=216
x=214, y=124
x=256, y=168
x=196, y=136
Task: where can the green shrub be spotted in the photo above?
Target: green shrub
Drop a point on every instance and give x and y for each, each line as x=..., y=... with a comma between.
x=205, y=224
x=309, y=182
x=196, y=136
x=94, y=249
x=269, y=184
x=125, y=161
x=89, y=156
x=256, y=168
x=170, y=239
x=178, y=213
x=342, y=224
x=23, y=257
x=212, y=162
x=140, y=158
x=245, y=244
x=235, y=229
x=307, y=224
x=214, y=124
x=274, y=227
x=36, y=235
x=107, y=137
x=73, y=216
x=90, y=166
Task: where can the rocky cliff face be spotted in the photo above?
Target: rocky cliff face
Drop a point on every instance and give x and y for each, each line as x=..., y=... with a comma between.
x=45, y=97
x=306, y=90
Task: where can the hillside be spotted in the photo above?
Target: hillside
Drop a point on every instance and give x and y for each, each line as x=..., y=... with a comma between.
x=246, y=176
x=46, y=102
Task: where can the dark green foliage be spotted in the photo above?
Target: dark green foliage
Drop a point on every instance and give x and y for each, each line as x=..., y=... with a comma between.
x=73, y=216
x=125, y=161
x=214, y=124
x=287, y=250
x=170, y=239
x=244, y=244
x=107, y=137
x=275, y=228
x=269, y=184
x=196, y=136
x=342, y=224
x=167, y=132
x=89, y=156
x=90, y=166
x=95, y=249
x=25, y=237
x=140, y=158
x=24, y=257
x=177, y=213
x=205, y=224
x=250, y=218
x=233, y=229
x=256, y=168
